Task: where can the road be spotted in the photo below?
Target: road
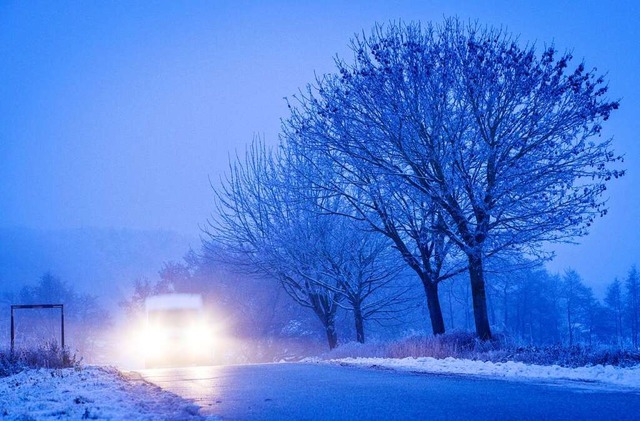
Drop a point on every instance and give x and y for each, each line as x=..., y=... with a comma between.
x=332, y=392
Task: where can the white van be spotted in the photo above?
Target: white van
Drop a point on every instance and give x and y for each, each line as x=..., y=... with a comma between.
x=176, y=331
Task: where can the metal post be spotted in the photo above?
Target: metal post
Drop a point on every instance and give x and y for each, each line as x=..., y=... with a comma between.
x=62, y=324
x=13, y=333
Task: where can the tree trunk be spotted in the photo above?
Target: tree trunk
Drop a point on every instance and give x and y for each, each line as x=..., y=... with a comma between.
x=332, y=335
x=325, y=311
x=357, y=315
x=619, y=327
x=450, y=308
x=505, y=304
x=569, y=323
x=433, y=303
x=476, y=274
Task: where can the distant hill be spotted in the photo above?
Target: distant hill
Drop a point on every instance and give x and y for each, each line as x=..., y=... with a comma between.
x=103, y=262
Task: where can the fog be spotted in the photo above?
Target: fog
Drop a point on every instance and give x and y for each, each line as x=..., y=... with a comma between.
x=115, y=119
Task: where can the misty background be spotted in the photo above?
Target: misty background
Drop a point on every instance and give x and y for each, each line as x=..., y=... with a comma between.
x=116, y=119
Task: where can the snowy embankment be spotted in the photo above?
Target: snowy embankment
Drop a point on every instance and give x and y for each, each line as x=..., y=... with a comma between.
x=88, y=393
x=598, y=374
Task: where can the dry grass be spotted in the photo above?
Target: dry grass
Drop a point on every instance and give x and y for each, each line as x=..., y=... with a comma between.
x=47, y=355
x=500, y=349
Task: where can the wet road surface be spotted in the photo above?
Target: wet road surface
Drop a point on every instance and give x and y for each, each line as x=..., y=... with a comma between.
x=331, y=392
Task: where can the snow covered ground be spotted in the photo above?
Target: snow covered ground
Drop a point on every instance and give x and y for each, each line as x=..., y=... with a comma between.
x=105, y=393
x=596, y=375
x=88, y=393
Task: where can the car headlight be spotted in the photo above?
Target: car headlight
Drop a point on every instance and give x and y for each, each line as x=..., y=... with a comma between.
x=156, y=341
x=198, y=335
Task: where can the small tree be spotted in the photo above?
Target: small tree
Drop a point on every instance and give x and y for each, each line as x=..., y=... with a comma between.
x=615, y=306
x=366, y=274
x=633, y=304
x=577, y=302
x=143, y=289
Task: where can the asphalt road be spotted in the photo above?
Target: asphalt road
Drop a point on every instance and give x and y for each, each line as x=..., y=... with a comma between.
x=331, y=392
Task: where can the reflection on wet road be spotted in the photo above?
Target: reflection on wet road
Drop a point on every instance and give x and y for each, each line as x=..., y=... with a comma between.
x=320, y=391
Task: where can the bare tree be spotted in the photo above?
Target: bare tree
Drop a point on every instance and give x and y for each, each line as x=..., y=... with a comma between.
x=275, y=220
x=262, y=223
x=384, y=201
x=615, y=305
x=366, y=272
x=633, y=304
x=500, y=139
x=577, y=302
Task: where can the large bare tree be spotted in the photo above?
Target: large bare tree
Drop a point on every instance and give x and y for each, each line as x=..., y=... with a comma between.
x=502, y=140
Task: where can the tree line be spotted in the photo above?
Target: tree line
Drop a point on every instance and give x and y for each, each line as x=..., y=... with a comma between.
x=538, y=308
x=528, y=305
x=440, y=149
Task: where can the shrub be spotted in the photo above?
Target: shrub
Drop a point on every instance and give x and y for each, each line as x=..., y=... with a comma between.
x=46, y=355
x=500, y=349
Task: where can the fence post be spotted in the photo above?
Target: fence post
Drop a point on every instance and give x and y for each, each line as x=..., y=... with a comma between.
x=13, y=333
x=62, y=324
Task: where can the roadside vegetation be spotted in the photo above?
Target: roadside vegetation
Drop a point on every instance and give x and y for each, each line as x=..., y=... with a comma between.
x=500, y=349
x=46, y=355
x=439, y=150
x=417, y=188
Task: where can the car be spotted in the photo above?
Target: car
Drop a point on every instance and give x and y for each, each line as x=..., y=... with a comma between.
x=177, y=332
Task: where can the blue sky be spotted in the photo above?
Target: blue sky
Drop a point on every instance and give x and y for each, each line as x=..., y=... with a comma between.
x=116, y=114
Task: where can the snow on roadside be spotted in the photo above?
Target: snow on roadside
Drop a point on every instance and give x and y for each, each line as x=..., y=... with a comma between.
x=603, y=375
x=88, y=393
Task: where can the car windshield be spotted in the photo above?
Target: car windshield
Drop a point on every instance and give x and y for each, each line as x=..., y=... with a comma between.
x=173, y=317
